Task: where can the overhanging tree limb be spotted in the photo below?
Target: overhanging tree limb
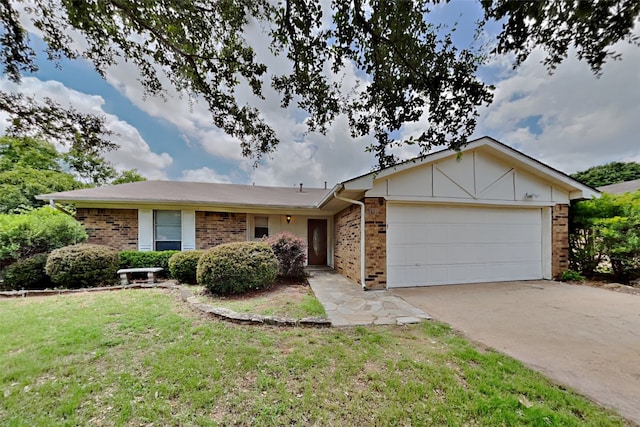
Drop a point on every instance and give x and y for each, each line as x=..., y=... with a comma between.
x=408, y=70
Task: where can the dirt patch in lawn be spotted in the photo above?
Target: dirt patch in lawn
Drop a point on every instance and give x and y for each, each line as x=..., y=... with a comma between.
x=287, y=298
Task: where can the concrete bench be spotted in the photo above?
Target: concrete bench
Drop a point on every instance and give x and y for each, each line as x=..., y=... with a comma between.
x=151, y=274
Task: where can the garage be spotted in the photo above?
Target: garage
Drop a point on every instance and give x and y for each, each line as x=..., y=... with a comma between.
x=485, y=214
x=432, y=244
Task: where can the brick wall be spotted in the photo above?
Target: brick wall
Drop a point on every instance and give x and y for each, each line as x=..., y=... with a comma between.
x=215, y=228
x=559, y=239
x=375, y=226
x=117, y=228
x=346, y=255
x=346, y=258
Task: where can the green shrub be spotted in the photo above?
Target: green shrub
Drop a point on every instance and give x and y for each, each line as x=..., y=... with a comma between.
x=571, y=276
x=37, y=231
x=183, y=266
x=27, y=273
x=291, y=252
x=136, y=259
x=605, y=233
x=237, y=267
x=82, y=266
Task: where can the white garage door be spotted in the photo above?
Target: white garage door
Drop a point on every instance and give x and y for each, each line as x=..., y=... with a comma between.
x=440, y=245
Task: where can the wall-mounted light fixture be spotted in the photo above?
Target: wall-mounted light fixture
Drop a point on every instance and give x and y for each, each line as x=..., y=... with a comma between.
x=531, y=196
x=288, y=219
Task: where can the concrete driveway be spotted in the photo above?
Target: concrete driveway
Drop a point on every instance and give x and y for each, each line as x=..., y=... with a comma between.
x=584, y=337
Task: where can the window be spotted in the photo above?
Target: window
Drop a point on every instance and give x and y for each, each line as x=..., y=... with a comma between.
x=261, y=227
x=167, y=230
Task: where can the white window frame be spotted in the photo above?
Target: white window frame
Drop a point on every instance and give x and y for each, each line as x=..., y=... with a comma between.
x=155, y=230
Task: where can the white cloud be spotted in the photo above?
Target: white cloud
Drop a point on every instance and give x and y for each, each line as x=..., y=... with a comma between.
x=333, y=157
x=204, y=175
x=134, y=152
x=583, y=120
x=300, y=157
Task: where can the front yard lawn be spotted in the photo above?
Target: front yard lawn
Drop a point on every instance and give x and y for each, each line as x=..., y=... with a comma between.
x=285, y=299
x=141, y=357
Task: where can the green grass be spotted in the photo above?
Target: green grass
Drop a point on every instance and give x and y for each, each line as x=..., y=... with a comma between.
x=297, y=304
x=141, y=357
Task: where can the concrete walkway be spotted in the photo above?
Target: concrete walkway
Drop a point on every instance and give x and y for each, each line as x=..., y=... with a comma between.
x=347, y=304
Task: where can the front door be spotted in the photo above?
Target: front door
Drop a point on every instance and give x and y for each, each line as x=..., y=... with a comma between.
x=317, y=241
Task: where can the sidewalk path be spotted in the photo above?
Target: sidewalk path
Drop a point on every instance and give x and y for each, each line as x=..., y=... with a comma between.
x=347, y=304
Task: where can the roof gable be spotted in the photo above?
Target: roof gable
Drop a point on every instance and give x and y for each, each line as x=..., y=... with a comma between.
x=463, y=171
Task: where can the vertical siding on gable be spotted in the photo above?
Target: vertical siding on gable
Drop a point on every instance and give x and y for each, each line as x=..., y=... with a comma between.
x=117, y=228
x=475, y=175
x=216, y=228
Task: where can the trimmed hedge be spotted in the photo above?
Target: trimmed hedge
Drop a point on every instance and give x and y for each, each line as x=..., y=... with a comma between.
x=82, y=266
x=27, y=273
x=183, y=266
x=237, y=267
x=291, y=251
x=137, y=259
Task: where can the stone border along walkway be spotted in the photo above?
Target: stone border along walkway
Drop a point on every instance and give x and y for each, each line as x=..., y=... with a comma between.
x=187, y=296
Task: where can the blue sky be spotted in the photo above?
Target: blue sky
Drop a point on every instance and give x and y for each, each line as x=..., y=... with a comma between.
x=571, y=120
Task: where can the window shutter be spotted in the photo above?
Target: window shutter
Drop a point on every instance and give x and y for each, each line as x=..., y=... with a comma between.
x=188, y=230
x=145, y=230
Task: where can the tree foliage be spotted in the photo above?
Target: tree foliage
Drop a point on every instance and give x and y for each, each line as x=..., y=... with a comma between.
x=38, y=231
x=611, y=173
x=591, y=27
x=129, y=175
x=47, y=119
x=605, y=234
x=29, y=167
x=409, y=69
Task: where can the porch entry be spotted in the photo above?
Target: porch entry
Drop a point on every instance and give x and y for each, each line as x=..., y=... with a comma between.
x=317, y=241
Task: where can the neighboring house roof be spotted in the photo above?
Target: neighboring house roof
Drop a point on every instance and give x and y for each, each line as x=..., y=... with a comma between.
x=180, y=192
x=621, y=187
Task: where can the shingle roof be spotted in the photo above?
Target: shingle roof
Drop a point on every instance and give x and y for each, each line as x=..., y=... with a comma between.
x=621, y=187
x=195, y=193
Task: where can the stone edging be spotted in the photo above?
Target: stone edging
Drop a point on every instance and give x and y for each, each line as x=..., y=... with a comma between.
x=247, y=318
x=188, y=297
x=49, y=292
x=615, y=287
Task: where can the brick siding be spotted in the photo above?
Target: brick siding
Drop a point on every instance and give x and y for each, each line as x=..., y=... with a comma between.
x=215, y=228
x=117, y=228
x=346, y=255
x=346, y=258
x=375, y=226
x=559, y=240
